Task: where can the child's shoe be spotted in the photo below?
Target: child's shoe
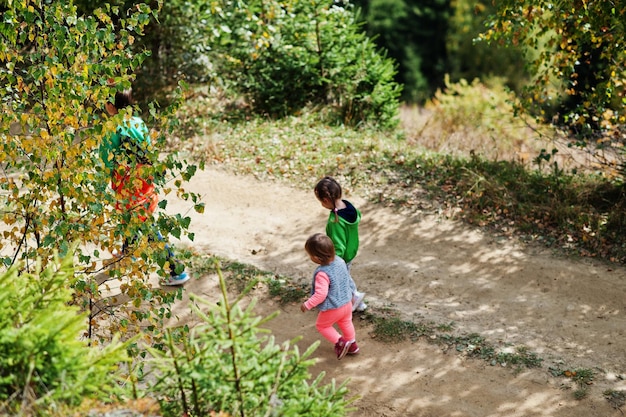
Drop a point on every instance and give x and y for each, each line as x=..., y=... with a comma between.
x=353, y=349
x=120, y=254
x=361, y=307
x=341, y=347
x=177, y=279
x=357, y=300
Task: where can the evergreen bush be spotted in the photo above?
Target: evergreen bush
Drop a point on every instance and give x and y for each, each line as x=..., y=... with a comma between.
x=228, y=363
x=283, y=57
x=43, y=361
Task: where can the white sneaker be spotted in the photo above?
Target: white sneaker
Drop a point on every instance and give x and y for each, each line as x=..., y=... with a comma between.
x=177, y=279
x=361, y=307
x=357, y=299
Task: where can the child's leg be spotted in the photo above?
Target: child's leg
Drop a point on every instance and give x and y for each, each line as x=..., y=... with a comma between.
x=127, y=244
x=357, y=296
x=324, y=325
x=345, y=322
x=178, y=276
x=176, y=267
x=355, y=292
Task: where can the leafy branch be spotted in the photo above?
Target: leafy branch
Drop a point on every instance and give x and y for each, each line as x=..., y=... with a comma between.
x=227, y=363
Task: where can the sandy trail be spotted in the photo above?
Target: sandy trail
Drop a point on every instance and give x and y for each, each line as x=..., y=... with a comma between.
x=569, y=311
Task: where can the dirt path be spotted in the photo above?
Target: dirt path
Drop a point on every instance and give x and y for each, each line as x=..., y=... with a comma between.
x=571, y=312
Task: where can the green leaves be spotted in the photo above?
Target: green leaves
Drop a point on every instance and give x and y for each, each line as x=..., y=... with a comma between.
x=58, y=69
x=576, y=57
x=229, y=363
x=283, y=58
x=43, y=361
x=55, y=94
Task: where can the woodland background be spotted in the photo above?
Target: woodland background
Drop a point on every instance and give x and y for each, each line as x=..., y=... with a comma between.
x=509, y=116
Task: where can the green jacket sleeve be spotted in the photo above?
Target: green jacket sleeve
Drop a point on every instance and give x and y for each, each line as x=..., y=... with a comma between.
x=345, y=236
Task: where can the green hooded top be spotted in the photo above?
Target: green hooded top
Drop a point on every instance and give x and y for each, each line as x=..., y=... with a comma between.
x=344, y=233
x=131, y=137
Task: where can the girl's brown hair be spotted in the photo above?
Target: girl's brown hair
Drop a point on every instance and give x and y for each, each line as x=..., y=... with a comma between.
x=123, y=99
x=321, y=246
x=328, y=188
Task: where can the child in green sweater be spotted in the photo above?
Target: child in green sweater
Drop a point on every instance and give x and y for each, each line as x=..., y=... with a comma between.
x=342, y=227
x=125, y=155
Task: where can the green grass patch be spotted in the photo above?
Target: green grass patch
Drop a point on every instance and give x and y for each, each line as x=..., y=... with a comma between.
x=579, y=213
x=476, y=346
x=285, y=291
x=389, y=328
x=582, y=377
x=395, y=330
x=239, y=276
x=617, y=399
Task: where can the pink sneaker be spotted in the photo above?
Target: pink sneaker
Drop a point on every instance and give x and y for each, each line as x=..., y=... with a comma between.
x=353, y=349
x=341, y=347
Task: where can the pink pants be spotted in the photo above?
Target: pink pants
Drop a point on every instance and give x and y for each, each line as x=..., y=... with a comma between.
x=343, y=317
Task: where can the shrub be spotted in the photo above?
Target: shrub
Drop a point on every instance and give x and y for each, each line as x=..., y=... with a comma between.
x=43, y=362
x=473, y=116
x=283, y=57
x=225, y=363
x=57, y=72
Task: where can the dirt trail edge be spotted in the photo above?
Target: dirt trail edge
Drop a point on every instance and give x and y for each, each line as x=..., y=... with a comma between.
x=571, y=312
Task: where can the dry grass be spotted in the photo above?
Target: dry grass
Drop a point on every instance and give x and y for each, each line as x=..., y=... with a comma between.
x=424, y=128
x=469, y=119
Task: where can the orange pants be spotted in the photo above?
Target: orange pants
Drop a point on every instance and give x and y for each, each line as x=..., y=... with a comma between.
x=136, y=192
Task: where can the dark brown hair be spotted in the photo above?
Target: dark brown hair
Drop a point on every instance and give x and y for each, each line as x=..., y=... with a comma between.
x=321, y=246
x=123, y=99
x=328, y=188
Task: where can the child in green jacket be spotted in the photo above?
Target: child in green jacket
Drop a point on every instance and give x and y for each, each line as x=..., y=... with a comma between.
x=342, y=227
x=125, y=155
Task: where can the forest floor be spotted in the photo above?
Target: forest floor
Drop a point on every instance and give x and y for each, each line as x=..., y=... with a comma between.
x=571, y=312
